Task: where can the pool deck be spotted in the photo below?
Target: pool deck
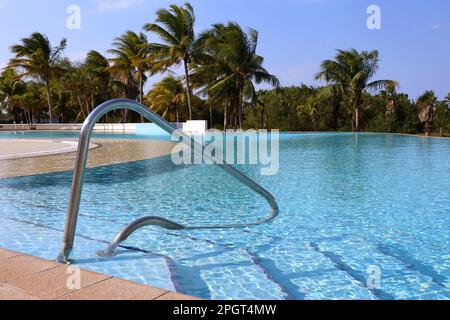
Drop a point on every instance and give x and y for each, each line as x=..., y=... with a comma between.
x=23, y=277
x=17, y=149
x=20, y=158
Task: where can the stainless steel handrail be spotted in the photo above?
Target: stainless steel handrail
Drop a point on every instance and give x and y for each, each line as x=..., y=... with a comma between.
x=80, y=165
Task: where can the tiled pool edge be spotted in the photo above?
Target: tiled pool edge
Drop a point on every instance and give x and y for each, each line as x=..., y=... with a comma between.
x=25, y=277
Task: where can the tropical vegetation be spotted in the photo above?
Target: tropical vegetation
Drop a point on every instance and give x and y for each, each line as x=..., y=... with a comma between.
x=211, y=75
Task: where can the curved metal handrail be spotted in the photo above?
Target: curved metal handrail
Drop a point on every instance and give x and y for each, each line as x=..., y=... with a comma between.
x=80, y=165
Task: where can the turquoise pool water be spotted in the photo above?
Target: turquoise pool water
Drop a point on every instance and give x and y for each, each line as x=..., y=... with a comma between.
x=348, y=203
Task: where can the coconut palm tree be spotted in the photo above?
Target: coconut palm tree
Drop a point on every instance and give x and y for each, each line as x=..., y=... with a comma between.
x=131, y=61
x=309, y=109
x=36, y=58
x=207, y=72
x=334, y=96
x=166, y=97
x=259, y=106
x=175, y=27
x=76, y=83
x=10, y=86
x=231, y=66
x=353, y=71
x=30, y=101
x=96, y=67
x=10, y=83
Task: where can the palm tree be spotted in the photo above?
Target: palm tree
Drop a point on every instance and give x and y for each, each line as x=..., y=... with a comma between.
x=259, y=106
x=447, y=100
x=353, y=71
x=166, y=97
x=36, y=57
x=10, y=83
x=428, y=111
x=231, y=66
x=390, y=94
x=96, y=67
x=10, y=87
x=334, y=96
x=29, y=101
x=175, y=27
x=208, y=72
x=131, y=61
x=76, y=83
x=309, y=109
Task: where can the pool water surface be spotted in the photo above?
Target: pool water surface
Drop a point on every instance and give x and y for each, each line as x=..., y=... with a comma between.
x=349, y=204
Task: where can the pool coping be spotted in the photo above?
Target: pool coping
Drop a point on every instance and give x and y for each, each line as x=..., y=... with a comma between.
x=25, y=277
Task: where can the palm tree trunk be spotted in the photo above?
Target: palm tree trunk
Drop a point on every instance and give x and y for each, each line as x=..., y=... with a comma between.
x=240, y=108
x=141, y=94
x=49, y=100
x=81, y=107
x=234, y=114
x=225, y=116
x=188, y=86
x=357, y=119
x=356, y=112
x=141, y=89
x=353, y=121
x=428, y=128
x=335, y=114
x=210, y=117
x=262, y=120
x=87, y=105
x=125, y=116
x=26, y=115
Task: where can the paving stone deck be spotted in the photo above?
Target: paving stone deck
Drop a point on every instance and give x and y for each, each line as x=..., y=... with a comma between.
x=24, y=277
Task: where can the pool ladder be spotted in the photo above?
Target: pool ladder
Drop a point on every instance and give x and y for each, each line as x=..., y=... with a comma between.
x=22, y=126
x=80, y=166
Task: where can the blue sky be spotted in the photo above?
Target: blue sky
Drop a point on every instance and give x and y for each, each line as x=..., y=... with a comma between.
x=295, y=35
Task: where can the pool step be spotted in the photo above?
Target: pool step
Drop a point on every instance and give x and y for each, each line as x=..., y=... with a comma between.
x=306, y=273
x=402, y=277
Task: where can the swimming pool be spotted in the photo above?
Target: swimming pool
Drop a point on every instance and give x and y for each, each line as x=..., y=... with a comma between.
x=348, y=203
x=75, y=135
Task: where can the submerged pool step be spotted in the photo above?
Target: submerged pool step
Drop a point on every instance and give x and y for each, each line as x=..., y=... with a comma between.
x=189, y=141
x=401, y=276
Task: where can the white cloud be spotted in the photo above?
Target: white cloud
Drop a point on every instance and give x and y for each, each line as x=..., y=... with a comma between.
x=434, y=26
x=114, y=5
x=77, y=56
